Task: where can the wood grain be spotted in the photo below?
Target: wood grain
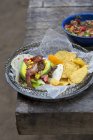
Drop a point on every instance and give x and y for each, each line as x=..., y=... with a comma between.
x=35, y=3
x=55, y=123
x=74, y=116
x=68, y=3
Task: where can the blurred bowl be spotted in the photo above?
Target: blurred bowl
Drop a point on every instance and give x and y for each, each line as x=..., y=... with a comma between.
x=82, y=41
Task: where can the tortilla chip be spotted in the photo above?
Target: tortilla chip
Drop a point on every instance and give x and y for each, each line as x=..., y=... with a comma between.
x=79, y=61
x=54, y=82
x=70, y=82
x=64, y=82
x=79, y=75
x=69, y=68
x=65, y=56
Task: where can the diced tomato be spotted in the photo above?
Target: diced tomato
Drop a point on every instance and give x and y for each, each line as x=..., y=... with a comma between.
x=45, y=78
x=68, y=26
x=80, y=28
x=83, y=28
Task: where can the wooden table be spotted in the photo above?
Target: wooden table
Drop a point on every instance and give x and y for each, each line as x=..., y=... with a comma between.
x=73, y=116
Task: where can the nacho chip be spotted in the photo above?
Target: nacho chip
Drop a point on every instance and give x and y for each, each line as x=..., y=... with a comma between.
x=65, y=56
x=64, y=74
x=64, y=82
x=79, y=75
x=54, y=82
x=70, y=82
x=79, y=61
x=69, y=68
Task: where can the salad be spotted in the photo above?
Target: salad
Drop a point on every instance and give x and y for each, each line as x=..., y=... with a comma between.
x=37, y=71
x=80, y=28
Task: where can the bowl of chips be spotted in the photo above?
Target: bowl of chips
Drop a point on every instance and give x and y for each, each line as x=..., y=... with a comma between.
x=74, y=80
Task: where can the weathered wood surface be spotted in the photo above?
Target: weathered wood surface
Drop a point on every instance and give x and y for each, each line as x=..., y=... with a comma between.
x=74, y=116
x=66, y=117
x=55, y=123
x=40, y=19
x=58, y=3
x=81, y=104
x=68, y=3
x=53, y=14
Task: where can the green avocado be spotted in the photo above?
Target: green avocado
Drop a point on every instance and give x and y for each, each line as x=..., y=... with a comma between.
x=37, y=83
x=47, y=67
x=45, y=71
x=23, y=70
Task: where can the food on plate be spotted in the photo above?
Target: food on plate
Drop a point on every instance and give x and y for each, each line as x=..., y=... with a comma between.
x=34, y=71
x=79, y=61
x=65, y=56
x=64, y=82
x=80, y=28
x=55, y=60
x=54, y=82
x=69, y=68
x=59, y=69
x=79, y=75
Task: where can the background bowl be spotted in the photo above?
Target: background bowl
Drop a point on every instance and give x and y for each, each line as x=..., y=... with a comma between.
x=83, y=41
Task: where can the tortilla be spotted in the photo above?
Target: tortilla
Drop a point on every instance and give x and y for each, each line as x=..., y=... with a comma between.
x=16, y=63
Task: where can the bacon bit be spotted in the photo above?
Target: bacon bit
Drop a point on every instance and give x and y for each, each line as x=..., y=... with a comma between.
x=33, y=70
x=37, y=59
x=45, y=78
x=30, y=72
x=28, y=79
x=25, y=60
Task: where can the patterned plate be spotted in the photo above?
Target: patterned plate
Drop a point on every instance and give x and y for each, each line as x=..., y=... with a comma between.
x=38, y=94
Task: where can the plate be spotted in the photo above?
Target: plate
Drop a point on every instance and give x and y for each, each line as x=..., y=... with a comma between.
x=39, y=94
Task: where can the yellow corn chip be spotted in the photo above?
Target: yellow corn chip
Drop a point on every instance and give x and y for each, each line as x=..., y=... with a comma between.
x=79, y=75
x=65, y=56
x=79, y=61
x=64, y=82
x=69, y=68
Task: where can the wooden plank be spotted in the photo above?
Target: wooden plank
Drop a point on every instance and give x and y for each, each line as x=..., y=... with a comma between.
x=58, y=3
x=35, y=3
x=41, y=24
x=53, y=14
x=35, y=33
x=73, y=116
x=54, y=123
x=31, y=39
x=82, y=103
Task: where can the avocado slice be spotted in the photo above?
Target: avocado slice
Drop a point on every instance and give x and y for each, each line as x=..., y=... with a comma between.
x=47, y=67
x=37, y=83
x=23, y=70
